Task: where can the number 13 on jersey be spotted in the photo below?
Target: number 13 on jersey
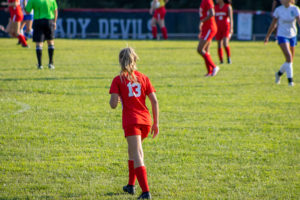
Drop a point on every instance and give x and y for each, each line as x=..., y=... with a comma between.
x=134, y=89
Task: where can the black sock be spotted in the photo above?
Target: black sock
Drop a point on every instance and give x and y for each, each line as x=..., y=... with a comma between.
x=39, y=51
x=290, y=80
x=279, y=73
x=51, y=53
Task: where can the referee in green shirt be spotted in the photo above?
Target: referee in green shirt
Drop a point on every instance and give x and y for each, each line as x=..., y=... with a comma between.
x=44, y=25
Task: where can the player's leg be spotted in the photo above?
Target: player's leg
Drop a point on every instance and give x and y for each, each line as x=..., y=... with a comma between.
x=16, y=25
x=8, y=28
x=161, y=21
x=154, y=28
x=287, y=66
x=135, y=152
x=220, y=50
x=28, y=28
x=201, y=49
x=163, y=28
x=38, y=37
x=292, y=43
x=215, y=69
x=21, y=29
x=227, y=49
x=51, y=53
x=49, y=36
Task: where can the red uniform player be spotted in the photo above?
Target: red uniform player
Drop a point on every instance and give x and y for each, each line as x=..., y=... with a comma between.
x=131, y=88
x=208, y=30
x=16, y=14
x=224, y=19
x=16, y=17
x=159, y=9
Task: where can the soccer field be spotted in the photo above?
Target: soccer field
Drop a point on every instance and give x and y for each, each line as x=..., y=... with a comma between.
x=233, y=136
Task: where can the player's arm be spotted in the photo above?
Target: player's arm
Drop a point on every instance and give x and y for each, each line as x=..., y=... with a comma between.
x=271, y=29
x=155, y=112
x=114, y=100
x=298, y=20
x=28, y=7
x=230, y=11
x=55, y=18
x=152, y=7
x=211, y=13
x=166, y=1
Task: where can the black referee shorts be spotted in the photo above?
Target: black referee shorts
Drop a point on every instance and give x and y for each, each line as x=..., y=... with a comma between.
x=43, y=29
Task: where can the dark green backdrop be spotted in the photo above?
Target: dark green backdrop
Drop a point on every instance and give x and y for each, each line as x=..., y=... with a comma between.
x=237, y=4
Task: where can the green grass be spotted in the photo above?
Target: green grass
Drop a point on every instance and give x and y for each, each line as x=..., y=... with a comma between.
x=233, y=136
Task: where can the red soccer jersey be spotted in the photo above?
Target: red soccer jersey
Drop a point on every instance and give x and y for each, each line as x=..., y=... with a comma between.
x=222, y=15
x=15, y=9
x=133, y=98
x=205, y=6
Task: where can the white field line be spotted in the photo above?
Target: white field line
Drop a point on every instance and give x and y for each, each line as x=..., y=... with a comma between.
x=24, y=106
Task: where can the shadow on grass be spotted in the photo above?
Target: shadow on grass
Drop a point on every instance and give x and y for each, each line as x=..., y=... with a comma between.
x=52, y=79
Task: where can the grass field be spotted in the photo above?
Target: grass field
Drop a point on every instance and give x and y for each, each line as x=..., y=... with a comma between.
x=233, y=136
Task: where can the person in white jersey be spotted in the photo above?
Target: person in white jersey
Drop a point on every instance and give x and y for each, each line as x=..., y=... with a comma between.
x=286, y=16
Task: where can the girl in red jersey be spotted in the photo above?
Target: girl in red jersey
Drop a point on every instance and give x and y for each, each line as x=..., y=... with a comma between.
x=131, y=88
x=158, y=6
x=208, y=30
x=16, y=17
x=224, y=19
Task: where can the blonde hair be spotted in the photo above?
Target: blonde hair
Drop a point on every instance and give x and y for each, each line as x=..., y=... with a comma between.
x=127, y=60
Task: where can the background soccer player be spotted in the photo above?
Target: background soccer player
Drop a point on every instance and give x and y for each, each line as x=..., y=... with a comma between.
x=44, y=25
x=224, y=19
x=286, y=16
x=208, y=30
x=158, y=6
x=16, y=17
x=28, y=19
x=131, y=88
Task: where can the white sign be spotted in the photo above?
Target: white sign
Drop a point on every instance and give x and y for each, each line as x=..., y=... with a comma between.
x=244, y=28
x=107, y=28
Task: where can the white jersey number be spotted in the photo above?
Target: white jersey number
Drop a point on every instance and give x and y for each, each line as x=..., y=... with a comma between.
x=134, y=89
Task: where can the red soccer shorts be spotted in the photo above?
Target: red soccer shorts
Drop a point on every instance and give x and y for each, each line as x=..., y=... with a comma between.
x=16, y=17
x=137, y=129
x=207, y=34
x=223, y=33
x=160, y=13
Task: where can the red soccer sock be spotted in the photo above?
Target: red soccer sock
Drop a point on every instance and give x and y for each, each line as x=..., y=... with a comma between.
x=141, y=175
x=228, y=51
x=164, y=32
x=208, y=68
x=132, y=176
x=22, y=40
x=154, y=32
x=220, y=53
x=209, y=61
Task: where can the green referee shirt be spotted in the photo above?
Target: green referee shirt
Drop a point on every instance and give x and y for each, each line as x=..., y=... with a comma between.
x=43, y=9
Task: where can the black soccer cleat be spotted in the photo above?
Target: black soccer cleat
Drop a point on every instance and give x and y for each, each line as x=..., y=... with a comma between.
x=145, y=195
x=130, y=189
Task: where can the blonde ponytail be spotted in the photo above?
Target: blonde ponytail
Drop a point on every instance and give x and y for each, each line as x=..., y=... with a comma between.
x=127, y=60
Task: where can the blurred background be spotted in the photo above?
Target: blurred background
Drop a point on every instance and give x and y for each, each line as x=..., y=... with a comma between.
x=175, y=4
